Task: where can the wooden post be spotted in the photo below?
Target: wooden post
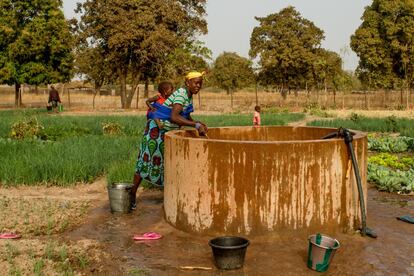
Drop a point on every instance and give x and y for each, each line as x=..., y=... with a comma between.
x=199, y=101
x=68, y=97
x=257, y=98
x=407, y=95
x=137, y=95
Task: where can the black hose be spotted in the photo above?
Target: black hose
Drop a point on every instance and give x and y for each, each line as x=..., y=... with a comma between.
x=348, y=141
x=348, y=138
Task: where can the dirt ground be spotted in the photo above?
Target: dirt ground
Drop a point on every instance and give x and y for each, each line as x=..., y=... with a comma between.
x=100, y=243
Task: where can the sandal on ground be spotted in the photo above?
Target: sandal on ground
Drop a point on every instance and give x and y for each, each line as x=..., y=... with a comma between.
x=10, y=236
x=147, y=236
x=406, y=218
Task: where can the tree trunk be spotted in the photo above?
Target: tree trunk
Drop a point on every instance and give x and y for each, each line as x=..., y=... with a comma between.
x=123, y=78
x=146, y=89
x=343, y=100
x=401, y=97
x=134, y=86
x=137, y=96
x=17, y=95
x=97, y=92
x=68, y=97
x=334, y=98
x=231, y=97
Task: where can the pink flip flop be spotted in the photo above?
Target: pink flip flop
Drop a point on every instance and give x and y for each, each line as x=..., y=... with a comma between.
x=10, y=236
x=147, y=236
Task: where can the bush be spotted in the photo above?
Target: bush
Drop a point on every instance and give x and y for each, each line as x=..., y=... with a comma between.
x=26, y=129
x=111, y=128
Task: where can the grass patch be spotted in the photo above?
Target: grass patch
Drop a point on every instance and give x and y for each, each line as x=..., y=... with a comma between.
x=390, y=124
x=73, y=160
x=247, y=120
x=46, y=257
x=62, y=150
x=34, y=217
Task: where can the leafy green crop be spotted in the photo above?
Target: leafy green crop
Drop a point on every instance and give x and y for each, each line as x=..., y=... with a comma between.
x=390, y=144
x=392, y=161
x=390, y=180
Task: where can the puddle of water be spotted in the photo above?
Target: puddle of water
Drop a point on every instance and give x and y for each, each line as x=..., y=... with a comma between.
x=284, y=252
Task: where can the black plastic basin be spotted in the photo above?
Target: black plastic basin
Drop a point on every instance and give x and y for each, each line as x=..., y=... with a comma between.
x=229, y=252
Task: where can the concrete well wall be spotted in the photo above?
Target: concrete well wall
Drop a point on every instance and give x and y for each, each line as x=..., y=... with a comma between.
x=246, y=180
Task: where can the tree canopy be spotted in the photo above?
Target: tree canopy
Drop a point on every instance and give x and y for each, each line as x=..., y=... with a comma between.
x=285, y=44
x=231, y=72
x=35, y=43
x=138, y=36
x=384, y=44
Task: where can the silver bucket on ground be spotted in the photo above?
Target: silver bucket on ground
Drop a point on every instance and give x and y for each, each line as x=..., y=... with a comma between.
x=120, y=197
x=321, y=251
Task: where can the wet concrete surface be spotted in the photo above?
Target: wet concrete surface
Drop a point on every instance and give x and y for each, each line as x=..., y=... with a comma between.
x=282, y=253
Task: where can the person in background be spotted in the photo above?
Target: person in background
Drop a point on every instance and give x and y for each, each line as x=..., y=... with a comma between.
x=165, y=89
x=256, y=116
x=54, y=99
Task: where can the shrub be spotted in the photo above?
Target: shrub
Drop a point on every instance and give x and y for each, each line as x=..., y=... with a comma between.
x=111, y=128
x=27, y=128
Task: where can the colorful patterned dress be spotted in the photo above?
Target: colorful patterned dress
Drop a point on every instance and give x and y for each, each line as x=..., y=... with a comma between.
x=150, y=161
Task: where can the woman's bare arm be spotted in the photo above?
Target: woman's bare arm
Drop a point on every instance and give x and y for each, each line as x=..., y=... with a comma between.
x=176, y=118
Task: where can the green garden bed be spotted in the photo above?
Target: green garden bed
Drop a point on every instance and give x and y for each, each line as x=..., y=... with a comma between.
x=41, y=149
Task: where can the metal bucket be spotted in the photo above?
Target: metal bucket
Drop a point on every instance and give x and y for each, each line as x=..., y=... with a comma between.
x=229, y=252
x=120, y=197
x=321, y=251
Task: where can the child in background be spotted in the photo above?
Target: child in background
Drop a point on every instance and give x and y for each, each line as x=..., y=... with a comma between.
x=256, y=116
x=165, y=89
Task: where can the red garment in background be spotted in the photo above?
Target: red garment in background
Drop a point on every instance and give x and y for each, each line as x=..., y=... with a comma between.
x=256, y=119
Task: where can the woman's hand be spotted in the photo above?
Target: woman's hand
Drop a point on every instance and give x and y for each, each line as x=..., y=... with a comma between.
x=201, y=128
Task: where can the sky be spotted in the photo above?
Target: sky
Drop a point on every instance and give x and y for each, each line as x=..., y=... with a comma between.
x=231, y=22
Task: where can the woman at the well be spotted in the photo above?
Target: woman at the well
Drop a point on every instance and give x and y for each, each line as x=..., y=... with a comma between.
x=174, y=113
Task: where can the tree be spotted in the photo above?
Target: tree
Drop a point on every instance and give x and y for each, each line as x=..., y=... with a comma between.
x=91, y=64
x=231, y=72
x=137, y=36
x=285, y=44
x=326, y=66
x=35, y=44
x=192, y=56
x=384, y=44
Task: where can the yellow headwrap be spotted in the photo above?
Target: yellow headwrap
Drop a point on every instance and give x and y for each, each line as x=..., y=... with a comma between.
x=193, y=75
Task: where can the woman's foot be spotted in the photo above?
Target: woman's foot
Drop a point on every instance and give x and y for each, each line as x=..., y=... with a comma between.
x=133, y=203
